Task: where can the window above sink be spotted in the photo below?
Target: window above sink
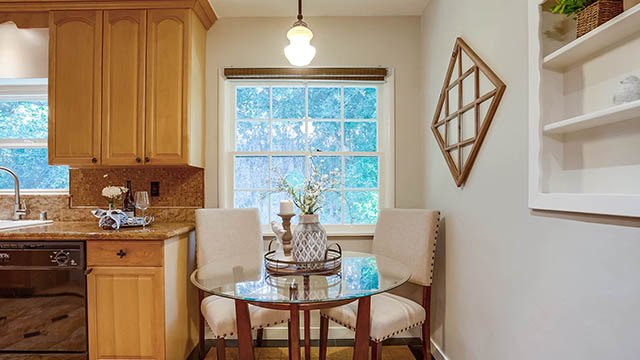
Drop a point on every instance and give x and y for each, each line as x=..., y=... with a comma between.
x=23, y=138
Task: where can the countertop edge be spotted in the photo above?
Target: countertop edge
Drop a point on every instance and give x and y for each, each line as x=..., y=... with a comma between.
x=80, y=231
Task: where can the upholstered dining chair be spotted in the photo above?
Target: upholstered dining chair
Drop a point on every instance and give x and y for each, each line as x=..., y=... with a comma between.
x=408, y=236
x=222, y=234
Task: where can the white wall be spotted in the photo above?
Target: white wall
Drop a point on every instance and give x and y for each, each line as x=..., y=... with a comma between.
x=23, y=52
x=340, y=41
x=511, y=283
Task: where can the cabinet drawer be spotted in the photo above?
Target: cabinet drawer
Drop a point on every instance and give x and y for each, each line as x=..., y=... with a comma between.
x=124, y=253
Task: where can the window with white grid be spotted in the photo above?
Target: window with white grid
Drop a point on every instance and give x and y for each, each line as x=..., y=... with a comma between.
x=282, y=130
x=24, y=117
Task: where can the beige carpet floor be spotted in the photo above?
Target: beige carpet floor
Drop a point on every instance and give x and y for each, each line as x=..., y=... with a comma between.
x=333, y=353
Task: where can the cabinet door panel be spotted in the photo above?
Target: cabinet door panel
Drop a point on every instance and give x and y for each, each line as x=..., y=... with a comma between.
x=123, y=82
x=75, y=68
x=126, y=313
x=167, y=88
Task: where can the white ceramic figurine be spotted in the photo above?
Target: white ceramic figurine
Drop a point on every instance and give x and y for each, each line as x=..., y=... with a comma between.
x=279, y=230
x=629, y=90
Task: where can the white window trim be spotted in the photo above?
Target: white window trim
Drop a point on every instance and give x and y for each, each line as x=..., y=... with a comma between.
x=26, y=90
x=386, y=136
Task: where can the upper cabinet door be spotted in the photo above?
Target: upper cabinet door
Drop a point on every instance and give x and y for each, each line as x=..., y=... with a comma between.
x=75, y=69
x=168, y=57
x=123, y=83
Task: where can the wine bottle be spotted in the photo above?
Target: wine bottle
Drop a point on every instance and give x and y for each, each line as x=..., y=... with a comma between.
x=128, y=205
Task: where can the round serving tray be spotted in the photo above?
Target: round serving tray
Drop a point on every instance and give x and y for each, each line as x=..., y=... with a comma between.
x=282, y=267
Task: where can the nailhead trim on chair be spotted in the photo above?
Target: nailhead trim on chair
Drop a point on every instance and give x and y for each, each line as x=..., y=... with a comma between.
x=252, y=328
x=375, y=339
x=433, y=255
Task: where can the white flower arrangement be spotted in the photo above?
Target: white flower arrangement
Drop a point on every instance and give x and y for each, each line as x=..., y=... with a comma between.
x=113, y=193
x=312, y=194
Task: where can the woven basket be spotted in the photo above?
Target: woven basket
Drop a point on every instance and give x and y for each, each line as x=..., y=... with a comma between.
x=597, y=14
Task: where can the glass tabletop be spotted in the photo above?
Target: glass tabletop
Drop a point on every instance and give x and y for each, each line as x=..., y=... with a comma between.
x=245, y=278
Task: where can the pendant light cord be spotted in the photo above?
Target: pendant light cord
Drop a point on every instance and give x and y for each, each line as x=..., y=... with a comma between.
x=299, y=10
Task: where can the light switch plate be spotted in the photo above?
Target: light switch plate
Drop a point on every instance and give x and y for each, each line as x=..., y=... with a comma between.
x=155, y=188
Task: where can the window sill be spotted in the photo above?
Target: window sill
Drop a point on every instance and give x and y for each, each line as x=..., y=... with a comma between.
x=42, y=192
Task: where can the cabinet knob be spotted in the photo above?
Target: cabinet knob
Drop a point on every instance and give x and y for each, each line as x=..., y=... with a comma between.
x=146, y=159
x=94, y=160
x=121, y=253
x=138, y=160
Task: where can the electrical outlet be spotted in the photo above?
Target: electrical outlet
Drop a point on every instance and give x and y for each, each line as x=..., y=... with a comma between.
x=155, y=188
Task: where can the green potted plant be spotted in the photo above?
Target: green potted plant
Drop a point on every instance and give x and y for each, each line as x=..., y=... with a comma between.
x=589, y=14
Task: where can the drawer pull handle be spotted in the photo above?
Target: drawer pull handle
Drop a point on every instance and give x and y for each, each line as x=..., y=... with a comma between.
x=121, y=253
x=88, y=271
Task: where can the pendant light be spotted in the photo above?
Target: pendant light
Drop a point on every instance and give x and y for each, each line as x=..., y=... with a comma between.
x=300, y=52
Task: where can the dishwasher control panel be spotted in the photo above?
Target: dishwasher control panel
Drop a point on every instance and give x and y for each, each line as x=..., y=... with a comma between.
x=42, y=254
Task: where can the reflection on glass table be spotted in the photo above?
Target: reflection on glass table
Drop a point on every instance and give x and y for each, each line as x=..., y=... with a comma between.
x=244, y=278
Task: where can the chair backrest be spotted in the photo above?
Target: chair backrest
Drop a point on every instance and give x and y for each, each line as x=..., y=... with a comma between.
x=409, y=235
x=222, y=233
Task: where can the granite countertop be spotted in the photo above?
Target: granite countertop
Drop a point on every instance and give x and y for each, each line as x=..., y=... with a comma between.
x=62, y=230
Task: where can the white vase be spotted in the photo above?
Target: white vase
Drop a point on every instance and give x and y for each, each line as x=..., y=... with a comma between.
x=309, y=239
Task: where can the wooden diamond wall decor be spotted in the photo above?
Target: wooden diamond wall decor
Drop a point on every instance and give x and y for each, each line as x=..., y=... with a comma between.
x=465, y=109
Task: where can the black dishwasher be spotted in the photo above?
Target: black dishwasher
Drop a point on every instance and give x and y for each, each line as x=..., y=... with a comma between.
x=43, y=300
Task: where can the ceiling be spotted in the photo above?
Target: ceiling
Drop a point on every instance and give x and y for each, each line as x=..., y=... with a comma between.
x=289, y=8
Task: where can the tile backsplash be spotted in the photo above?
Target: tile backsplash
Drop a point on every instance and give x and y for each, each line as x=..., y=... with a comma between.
x=179, y=187
x=181, y=192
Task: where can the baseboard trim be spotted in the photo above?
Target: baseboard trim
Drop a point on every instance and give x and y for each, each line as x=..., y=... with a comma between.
x=437, y=352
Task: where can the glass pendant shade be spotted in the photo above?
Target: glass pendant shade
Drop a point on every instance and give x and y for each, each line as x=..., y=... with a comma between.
x=300, y=52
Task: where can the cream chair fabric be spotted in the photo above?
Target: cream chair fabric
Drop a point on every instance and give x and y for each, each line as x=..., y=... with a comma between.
x=222, y=233
x=390, y=315
x=220, y=315
x=233, y=236
x=408, y=236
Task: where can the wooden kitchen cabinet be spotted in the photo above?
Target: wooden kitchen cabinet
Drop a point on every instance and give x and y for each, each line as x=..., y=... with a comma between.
x=137, y=97
x=125, y=313
x=75, y=70
x=140, y=303
x=175, y=88
x=123, y=87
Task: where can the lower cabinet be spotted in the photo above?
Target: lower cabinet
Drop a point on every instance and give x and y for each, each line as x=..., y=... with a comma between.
x=140, y=303
x=126, y=313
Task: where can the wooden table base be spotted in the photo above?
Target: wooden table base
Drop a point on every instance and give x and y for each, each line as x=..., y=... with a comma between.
x=245, y=341
x=243, y=322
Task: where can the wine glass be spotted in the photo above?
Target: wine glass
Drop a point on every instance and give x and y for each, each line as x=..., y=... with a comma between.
x=142, y=204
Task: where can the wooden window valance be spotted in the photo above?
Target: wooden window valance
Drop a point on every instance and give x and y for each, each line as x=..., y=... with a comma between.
x=357, y=74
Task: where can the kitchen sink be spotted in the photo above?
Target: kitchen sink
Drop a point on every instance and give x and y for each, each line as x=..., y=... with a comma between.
x=15, y=224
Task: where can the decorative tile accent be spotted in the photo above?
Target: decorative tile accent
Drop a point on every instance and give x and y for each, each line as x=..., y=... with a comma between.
x=181, y=192
x=179, y=186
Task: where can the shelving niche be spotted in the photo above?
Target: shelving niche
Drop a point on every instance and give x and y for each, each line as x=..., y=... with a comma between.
x=584, y=151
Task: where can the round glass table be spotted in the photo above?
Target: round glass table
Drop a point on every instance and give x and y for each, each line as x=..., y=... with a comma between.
x=245, y=280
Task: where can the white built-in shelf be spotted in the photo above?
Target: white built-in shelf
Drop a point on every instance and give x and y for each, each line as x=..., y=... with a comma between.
x=602, y=117
x=623, y=26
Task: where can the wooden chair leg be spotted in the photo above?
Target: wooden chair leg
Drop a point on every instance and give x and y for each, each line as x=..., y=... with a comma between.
x=289, y=340
x=426, y=327
x=324, y=337
x=307, y=334
x=259, y=336
x=376, y=351
x=201, y=347
x=220, y=349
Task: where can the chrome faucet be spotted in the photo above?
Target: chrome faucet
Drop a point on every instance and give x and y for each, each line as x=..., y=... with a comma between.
x=19, y=207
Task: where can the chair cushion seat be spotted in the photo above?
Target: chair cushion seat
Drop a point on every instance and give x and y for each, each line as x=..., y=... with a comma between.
x=220, y=314
x=390, y=315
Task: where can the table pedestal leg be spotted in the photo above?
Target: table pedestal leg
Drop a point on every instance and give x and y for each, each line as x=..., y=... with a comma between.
x=363, y=324
x=243, y=322
x=294, y=339
x=307, y=334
